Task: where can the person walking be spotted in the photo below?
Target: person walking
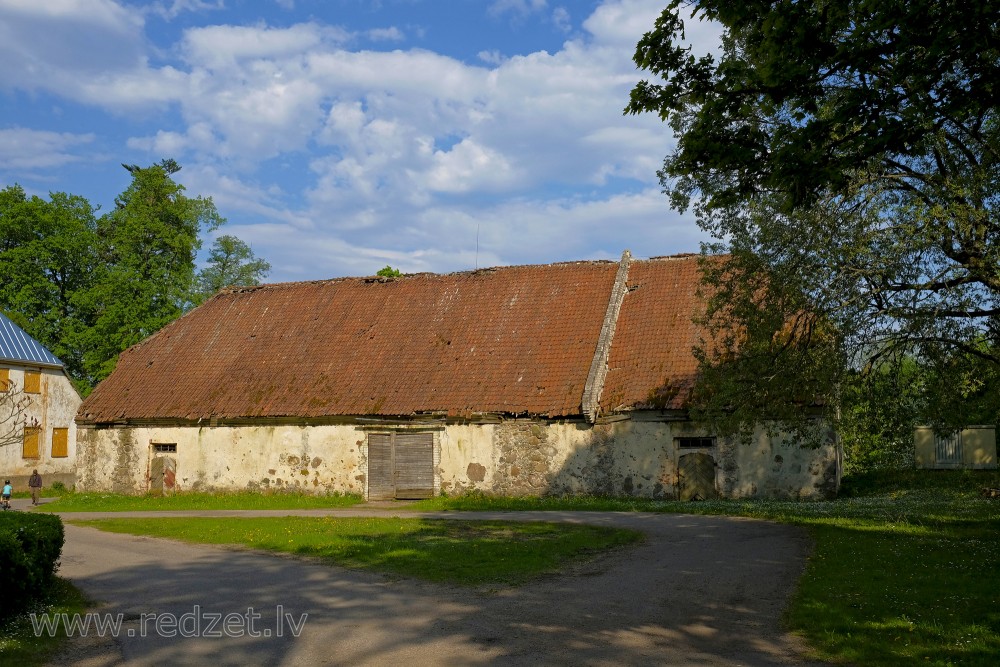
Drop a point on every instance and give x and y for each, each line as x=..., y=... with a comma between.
x=35, y=484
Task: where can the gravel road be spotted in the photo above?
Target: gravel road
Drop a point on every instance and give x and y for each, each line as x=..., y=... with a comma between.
x=698, y=591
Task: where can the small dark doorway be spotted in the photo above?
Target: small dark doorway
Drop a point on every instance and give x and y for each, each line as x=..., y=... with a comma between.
x=696, y=477
x=400, y=466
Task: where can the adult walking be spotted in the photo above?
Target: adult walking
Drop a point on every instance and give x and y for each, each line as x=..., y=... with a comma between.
x=35, y=484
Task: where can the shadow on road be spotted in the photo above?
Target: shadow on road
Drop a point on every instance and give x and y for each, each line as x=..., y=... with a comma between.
x=700, y=591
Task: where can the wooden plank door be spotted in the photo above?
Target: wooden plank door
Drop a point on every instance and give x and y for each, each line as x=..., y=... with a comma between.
x=696, y=477
x=400, y=465
x=162, y=475
x=380, y=477
x=414, y=465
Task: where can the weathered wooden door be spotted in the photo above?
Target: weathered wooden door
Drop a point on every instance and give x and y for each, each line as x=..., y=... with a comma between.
x=162, y=474
x=400, y=465
x=696, y=477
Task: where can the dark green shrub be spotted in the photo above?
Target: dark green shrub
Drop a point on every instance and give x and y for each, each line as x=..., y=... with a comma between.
x=30, y=545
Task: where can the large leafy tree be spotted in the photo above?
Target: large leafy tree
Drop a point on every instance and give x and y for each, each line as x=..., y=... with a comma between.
x=88, y=287
x=849, y=151
x=147, y=245
x=231, y=263
x=48, y=259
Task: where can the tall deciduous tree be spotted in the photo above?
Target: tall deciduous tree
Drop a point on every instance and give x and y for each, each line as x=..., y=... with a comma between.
x=88, y=287
x=231, y=262
x=849, y=150
x=48, y=258
x=147, y=246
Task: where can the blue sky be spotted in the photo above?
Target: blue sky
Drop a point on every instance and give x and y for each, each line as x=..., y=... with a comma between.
x=338, y=136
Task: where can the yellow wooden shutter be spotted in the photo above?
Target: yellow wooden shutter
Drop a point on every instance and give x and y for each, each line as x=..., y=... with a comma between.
x=60, y=442
x=4, y=378
x=30, y=448
x=32, y=382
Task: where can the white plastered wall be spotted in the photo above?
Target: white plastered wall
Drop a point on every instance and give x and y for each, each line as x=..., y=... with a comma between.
x=634, y=457
x=53, y=407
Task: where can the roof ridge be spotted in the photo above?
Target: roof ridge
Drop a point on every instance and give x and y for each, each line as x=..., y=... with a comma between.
x=235, y=289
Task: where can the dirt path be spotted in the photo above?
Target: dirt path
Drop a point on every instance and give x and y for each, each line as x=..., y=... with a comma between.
x=699, y=591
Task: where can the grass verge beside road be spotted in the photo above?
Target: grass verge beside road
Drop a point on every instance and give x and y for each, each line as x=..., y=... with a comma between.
x=904, y=570
x=245, y=500
x=470, y=553
x=19, y=643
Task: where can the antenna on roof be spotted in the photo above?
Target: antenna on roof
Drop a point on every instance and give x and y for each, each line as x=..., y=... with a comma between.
x=477, y=246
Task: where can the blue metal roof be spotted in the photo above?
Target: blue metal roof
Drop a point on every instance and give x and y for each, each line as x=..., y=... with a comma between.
x=15, y=345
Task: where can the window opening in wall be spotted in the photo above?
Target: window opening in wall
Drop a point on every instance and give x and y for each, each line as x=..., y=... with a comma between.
x=60, y=443
x=694, y=443
x=164, y=447
x=32, y=382
x=29, y=447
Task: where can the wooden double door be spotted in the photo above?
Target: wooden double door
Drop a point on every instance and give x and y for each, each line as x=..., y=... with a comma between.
x=696, y=477
x=400, y=465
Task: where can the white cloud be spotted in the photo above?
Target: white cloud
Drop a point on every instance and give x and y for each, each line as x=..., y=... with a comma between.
x=199, y=138
x=561, y=19
x=178, y=7
x=397, y=156
x=22, y=148
x=220, y=46
x=622, y=22
x=442, y=238
x=468, y=166
x=391, y=34
x=516, y=7
x=493, y=57
x=100, y=13
x=529, y=231
x=52, y=45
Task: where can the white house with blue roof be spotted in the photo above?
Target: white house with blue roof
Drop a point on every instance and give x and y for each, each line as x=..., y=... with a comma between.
x=37, y=408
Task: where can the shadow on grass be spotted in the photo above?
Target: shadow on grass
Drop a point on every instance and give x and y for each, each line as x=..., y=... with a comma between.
x=700, y=590
x=894, y=594
x=454, y=552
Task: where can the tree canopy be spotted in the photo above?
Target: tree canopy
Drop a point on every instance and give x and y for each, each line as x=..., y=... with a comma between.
x=48, y=259
x=231, y=263
x=850, y=151
x=88, y=287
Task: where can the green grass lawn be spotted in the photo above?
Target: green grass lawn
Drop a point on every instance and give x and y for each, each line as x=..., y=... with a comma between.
x=471, y=553
x=905, y=567
x=19, y=645
x=245, y=500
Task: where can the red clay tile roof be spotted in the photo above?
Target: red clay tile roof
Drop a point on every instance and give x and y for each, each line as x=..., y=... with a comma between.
x=651, y=364
x=507, y=340
x=513, y=340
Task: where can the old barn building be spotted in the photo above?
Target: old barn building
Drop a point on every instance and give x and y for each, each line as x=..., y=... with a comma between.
x=37, y=409
x=562, y=378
